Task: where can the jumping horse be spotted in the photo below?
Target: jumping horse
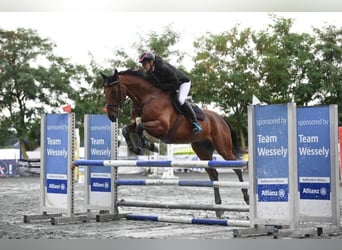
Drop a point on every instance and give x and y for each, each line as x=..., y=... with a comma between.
x=160, y=119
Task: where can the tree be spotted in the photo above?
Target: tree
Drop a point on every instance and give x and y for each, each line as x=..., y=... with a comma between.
x=32, y=81
x=284, y=60
x=326, y=72
x=225, y=74
x=89, y=99
x=162, y=44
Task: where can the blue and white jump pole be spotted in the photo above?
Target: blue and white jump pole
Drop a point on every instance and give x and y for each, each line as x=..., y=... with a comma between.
x=164, y=163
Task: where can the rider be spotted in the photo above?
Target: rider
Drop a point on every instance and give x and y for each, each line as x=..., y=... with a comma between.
x=167, y=77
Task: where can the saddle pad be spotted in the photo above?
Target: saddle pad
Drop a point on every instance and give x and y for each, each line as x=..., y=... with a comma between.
x=198, y=111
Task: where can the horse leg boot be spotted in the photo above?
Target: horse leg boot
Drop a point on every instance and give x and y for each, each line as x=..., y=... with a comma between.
x=149, y=145
x=131, y=146
x=190, y=114
x=143, y=140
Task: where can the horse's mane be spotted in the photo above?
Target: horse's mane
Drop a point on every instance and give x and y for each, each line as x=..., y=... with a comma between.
x=141, y=74
x=133, y=72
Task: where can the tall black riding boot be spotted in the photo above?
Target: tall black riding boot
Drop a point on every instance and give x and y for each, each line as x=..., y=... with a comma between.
x=190, y=114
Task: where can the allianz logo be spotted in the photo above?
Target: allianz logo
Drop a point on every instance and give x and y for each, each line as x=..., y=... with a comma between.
x=281, y=193
x=56, y=186
x=101, y=185
x=322, y=191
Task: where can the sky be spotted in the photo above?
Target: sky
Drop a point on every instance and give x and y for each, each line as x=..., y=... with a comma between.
x=101, y=32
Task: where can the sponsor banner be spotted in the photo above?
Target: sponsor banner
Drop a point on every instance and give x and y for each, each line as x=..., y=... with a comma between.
x=56, y=143
x=317, y=159
x=8, y=168
x=271, y=146
x=99, y=148
x=314, y=163
x=56, y=140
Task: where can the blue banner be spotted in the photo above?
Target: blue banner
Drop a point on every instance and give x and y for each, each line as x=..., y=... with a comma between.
x=314, y=153
x=8, y=168
x=99, y=148
x=271, y=152
x=56, y=153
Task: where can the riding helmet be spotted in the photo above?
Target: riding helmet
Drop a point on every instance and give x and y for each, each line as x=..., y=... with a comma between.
x=146, y=56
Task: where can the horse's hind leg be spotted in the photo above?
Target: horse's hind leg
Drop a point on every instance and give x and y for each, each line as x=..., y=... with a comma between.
x=204, y=151
x=224, y=147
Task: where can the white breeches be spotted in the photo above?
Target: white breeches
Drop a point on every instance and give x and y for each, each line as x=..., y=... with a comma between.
x=184, y=89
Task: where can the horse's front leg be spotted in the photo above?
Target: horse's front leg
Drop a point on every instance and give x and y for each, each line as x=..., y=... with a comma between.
x=148, y=138
x=126, y=131
x=148, y=144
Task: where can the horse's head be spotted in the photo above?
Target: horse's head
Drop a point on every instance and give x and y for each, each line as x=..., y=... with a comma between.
x=115, y=94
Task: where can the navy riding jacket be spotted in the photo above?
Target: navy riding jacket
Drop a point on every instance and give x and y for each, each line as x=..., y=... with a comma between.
x=166, y=77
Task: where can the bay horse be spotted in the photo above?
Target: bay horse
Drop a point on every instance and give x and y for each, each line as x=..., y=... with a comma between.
x=160, y=119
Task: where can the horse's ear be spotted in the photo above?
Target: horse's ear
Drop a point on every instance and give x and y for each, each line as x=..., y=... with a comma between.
x=103, y=75
x=115, y=71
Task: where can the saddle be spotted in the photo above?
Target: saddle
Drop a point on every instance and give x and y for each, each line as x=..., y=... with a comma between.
x=198, y=111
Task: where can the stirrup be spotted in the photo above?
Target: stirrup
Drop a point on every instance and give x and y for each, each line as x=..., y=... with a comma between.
x=197, y=128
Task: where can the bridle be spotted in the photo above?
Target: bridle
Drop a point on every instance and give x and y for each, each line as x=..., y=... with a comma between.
x=118, y=95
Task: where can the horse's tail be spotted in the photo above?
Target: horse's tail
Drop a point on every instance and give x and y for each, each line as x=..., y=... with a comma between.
x=236, y=148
